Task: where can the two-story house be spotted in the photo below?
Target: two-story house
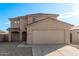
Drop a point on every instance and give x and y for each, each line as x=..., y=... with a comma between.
x=39, y=28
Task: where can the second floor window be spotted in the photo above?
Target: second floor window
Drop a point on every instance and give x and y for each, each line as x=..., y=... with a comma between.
x=16, y=22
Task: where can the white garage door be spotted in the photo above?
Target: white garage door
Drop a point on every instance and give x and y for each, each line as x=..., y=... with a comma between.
x=48, y=37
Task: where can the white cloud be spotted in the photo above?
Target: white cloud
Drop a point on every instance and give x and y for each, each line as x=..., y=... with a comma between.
x=7, y=23
x=73, y=13
x=69, y=14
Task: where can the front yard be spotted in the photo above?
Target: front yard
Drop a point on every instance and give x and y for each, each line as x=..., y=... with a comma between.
x=11, y=49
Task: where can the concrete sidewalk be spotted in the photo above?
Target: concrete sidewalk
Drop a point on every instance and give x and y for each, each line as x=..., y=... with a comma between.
x=55, y=50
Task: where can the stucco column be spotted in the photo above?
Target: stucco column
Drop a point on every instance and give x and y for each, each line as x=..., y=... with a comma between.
x=20, y=35
x=9, y=36
x=67, y=37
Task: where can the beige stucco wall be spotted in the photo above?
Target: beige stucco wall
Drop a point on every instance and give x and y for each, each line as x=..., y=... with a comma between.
x=48, y=24
x=23, y=23
x=67, y=36
x=39, y=17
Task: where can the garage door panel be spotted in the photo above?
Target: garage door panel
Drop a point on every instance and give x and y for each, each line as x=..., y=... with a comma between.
x=48, y=37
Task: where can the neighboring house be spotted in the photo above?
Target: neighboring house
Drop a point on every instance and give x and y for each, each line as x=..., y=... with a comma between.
x=39, y=28
x=3, y=36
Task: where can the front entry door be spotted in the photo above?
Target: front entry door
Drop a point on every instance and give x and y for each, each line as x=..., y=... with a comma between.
x=24, y=36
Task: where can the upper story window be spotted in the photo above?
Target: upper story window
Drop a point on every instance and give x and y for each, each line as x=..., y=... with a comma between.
x=17, y=22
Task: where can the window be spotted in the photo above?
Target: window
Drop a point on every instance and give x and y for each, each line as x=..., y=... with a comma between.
x=16, y=22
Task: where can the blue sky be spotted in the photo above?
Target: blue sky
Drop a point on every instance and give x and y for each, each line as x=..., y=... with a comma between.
x=66, y=11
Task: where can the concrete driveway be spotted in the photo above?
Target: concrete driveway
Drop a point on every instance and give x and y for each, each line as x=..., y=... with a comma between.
x=55, y=50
